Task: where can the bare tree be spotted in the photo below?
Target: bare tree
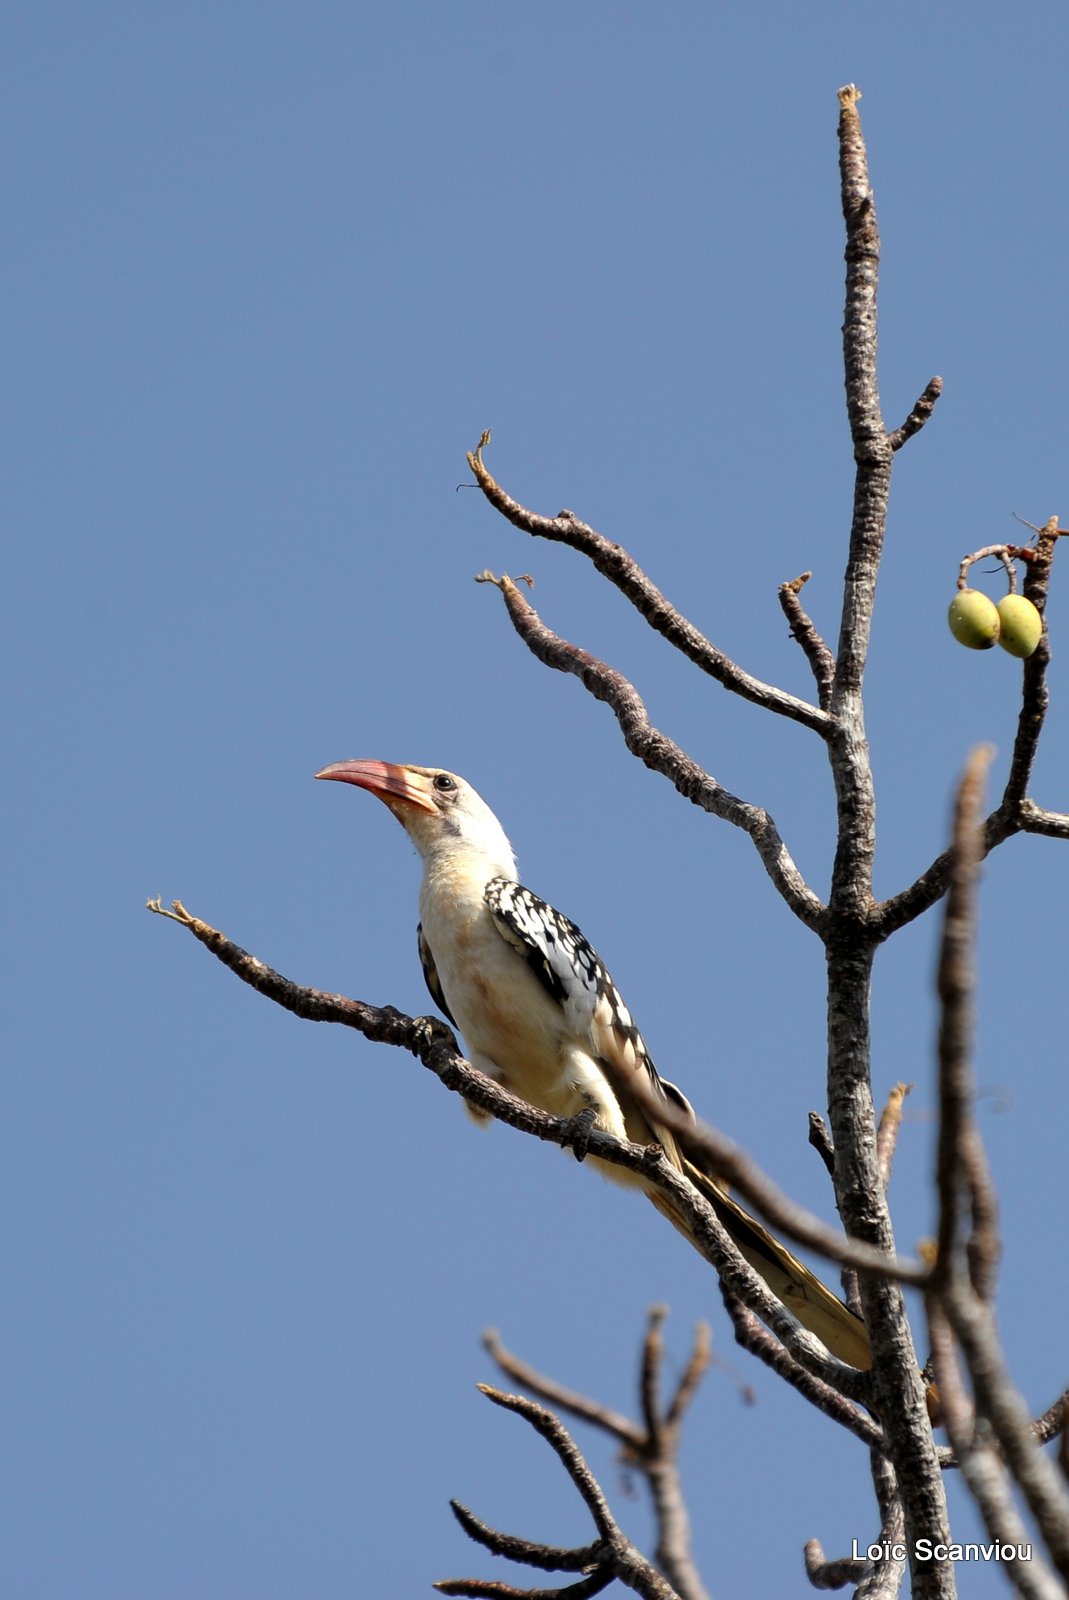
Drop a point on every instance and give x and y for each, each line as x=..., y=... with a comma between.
x=889, y=1408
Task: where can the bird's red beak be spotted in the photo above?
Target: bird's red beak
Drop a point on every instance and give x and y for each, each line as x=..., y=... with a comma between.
x=389, y=782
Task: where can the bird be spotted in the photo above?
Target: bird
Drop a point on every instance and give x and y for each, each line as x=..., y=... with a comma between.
x=540, y=1014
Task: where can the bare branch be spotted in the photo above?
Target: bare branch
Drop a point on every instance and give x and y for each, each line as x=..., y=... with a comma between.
x=888, y=1130
x=649, y=1387
x=923, y=407
x=872, y=453
x=551, y=1558
x=493, y=1589
x=622, y=1428
x=383, y=1024
x=821, y=1140
x=1052, y=824
x=1003, y=1408
x=926, y=891
x=804, y=631
x=660, y=753
x=980, y=1465
x=708, y=1147
x=1004, y=553
x=653, y=1450
x=752, y=1336
x=961, y=1295
x=1035, y=695
x=614, y=563
x=700, y=1360
x=1054, y=1420
x=613, y=1556
x=659, y=1458
x=862, y=279
x=568, y=1453
x=824, y=1574
x=959, y=1150
x=878, y=1579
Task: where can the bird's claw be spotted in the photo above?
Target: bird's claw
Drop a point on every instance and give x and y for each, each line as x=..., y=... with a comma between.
x=577, y=1131
x=429, y=1031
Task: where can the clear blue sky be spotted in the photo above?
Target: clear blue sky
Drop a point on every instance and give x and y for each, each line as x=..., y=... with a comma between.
x=271, y=269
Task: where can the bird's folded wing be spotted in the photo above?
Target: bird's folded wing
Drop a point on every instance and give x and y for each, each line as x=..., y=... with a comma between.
x=430, y=974
x=573, y=974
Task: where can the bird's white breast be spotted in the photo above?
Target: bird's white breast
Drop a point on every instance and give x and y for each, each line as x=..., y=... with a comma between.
x=513, y=1029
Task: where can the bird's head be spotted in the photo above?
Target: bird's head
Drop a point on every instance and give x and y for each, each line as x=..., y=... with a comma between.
x=439, y=811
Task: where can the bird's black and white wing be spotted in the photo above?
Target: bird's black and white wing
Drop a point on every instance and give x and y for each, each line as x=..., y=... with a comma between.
x=574, y=975
x=430, y=976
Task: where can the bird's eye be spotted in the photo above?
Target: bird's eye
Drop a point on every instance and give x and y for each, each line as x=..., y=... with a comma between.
x=443, y=782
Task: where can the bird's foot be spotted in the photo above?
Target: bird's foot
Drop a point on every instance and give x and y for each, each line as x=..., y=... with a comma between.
x=577, y=1131
x=428, y=1031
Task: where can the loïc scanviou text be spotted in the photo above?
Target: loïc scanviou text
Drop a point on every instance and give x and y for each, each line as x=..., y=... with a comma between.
x=930, y=1550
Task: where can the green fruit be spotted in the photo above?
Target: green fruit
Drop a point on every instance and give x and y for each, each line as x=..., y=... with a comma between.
x=1020, y=625
x=974, y=620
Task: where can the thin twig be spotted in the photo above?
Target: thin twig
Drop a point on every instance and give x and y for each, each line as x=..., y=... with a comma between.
x=550, y=1558
x=804, y=631
x=659, y=1460
x=888, y=1130
x=496, y=1589
x=564, y=1446
x=701, y=1357
x=825, y=1574
x=649, y=1386
x=1035, y=694
x=1052, y=824
x=1054, y=1420
x=923, y=407
x=821, y=1140
x=621, y=1428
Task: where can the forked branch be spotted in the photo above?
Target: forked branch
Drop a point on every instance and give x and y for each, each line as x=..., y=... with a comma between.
x=651, y=1446
x=611, y=1556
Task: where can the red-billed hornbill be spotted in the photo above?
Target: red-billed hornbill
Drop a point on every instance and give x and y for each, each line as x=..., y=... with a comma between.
x=540, y=1014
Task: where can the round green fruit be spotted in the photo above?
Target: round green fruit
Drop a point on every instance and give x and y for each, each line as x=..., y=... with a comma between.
x=1020, y=625
x=974, y=619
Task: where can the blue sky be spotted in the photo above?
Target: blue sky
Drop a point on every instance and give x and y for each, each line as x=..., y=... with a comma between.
x=271, y=270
